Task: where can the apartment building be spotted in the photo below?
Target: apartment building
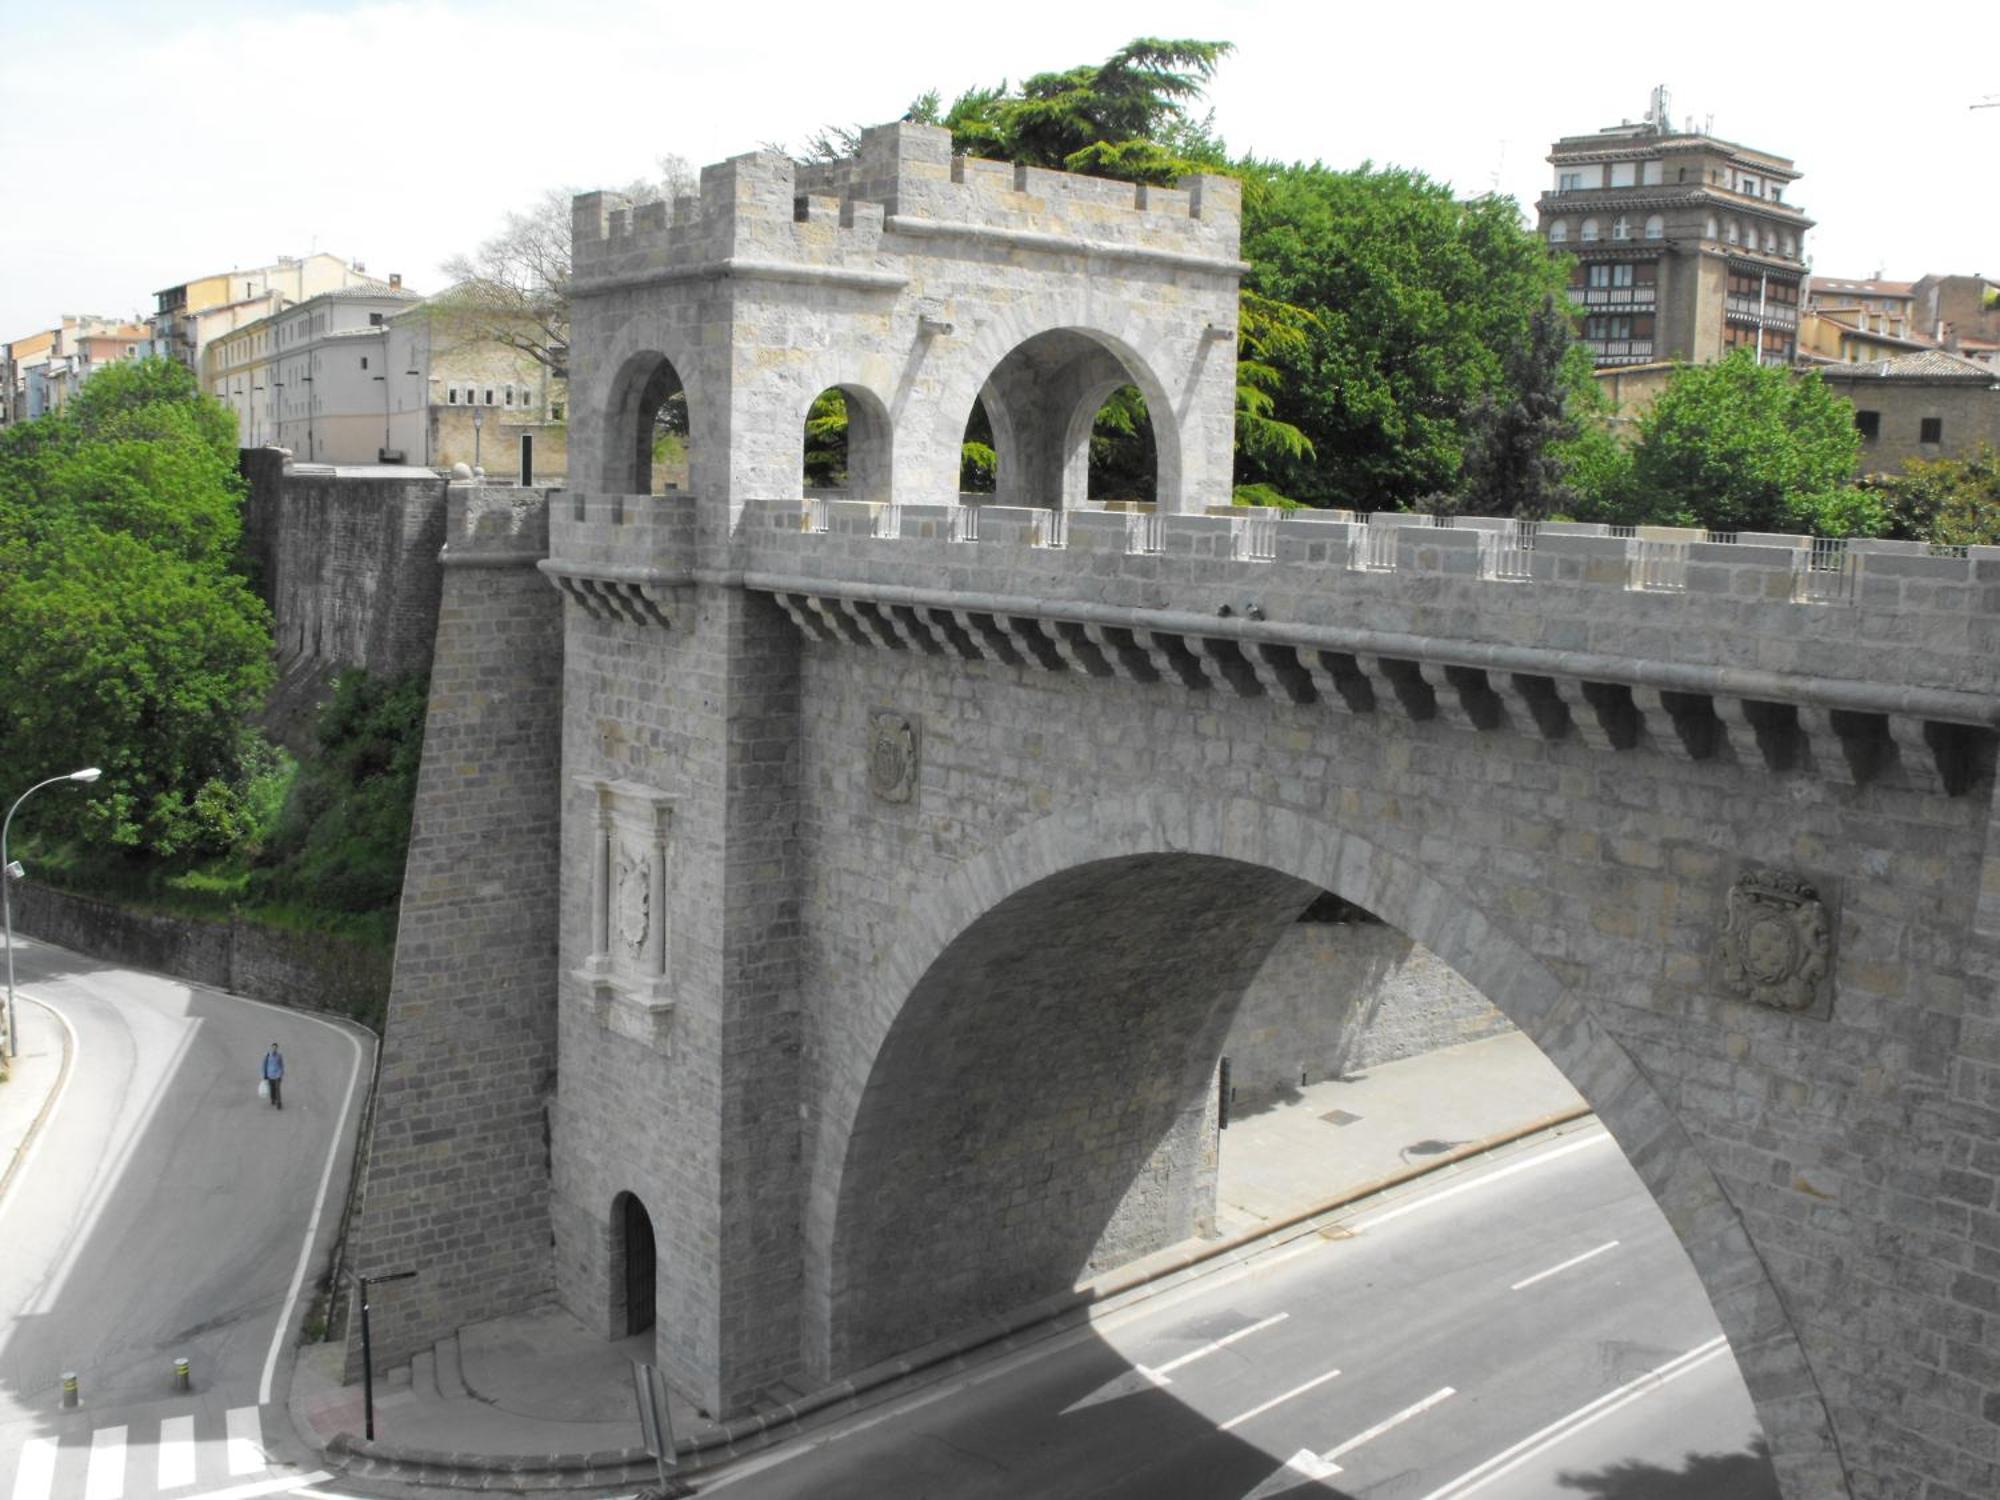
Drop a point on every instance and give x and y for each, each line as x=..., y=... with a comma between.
x=191, y=315
x=40, y=371
x=1686, y=246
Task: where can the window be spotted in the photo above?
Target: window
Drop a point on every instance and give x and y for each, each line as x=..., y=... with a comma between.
x=1868, y=424
x=1569, y=182
x=364, y=361
x=1656, y=227
x=1621, y=228
x=555, y=411
x=1621, y=275
x=374, y=320
x=451, y=396
x=1709, y=229
x=1600, y=275
x=1624, y=173
x=509, y=390
x=1931, y=430
x=1589, y=230
x=1729, y=232
x=489, y=395
x=1559, y=232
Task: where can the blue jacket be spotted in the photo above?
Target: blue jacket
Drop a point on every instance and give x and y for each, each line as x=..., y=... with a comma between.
x=274, y=1065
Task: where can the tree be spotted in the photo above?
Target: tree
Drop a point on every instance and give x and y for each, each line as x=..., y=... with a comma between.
x=513, y=291
x=129, y=637
x=1738, y=446
x=1415, y=297
x=1514, y=453
x=1949, y=501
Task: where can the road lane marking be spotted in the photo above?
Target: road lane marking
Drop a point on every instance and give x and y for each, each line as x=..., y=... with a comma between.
x=36, y=1476
x=1485, y=1179
x=39, y=1128
x=1536, y=1443
x=1222, y=1343
x=105, y=1479
x=246, y=1440
x=1574, y=1260
x=285, y=1486
x=1258, y=1411
x=1152, y=1377
x=278, y=1334
x=1416, y=1409
x=177, y=1452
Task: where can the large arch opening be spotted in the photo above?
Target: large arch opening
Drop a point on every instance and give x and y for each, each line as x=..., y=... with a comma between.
x=847, y=445
x=633, y=1268
x=1066, y=403
x=1037, y=1099
x=646, y=434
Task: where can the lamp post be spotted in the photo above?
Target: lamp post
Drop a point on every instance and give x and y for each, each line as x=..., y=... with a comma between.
x=384, y=378
x=368, y=1346
x=10, y=872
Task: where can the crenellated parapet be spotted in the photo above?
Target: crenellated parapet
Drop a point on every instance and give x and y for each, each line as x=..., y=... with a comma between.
x=1855, y=663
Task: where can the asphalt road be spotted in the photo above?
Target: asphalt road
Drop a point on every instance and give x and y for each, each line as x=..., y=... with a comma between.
x=165, y=1211
x=1534, y=1330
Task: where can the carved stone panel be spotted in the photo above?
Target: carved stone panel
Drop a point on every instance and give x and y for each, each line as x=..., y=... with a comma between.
x=628, y=966
x=892, y=755
x=1777, y=943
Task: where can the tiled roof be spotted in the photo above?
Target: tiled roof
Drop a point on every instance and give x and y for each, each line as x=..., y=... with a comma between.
x=1932, y=364
x=1863, y=286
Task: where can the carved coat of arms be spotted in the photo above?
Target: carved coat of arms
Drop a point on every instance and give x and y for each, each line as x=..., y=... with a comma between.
x=633, y=906
x=892, y=756
x=1777, y=944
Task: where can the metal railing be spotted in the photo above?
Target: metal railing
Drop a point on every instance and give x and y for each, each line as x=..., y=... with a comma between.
x=965, y=523
x=1823, y=572
x=1145, y=533
x=1254, y=538
x=1508, y=554
x=1659, y=567
x=1051, y=528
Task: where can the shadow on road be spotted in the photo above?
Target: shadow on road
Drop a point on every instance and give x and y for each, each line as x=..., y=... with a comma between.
x=1703, y=1476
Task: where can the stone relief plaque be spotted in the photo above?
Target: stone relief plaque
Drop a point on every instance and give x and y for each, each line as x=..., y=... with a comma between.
x=892, y=755
x=635, y=889
x=627, y=966
x=1777, y=943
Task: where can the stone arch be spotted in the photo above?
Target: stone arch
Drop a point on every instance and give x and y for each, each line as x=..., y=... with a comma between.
x=1155, y=823
x=632, y=1268
x=870, y=440
x=645, y=382
x=1037, y=384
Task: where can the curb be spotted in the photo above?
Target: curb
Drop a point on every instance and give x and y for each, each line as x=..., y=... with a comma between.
x=48, y=1102
x=1043, y=1319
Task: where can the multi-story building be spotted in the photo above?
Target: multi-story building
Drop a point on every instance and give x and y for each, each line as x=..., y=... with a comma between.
x=1935, y=404
x=1685, y=245
x=1869, y=305
x=192, y=314
x=363, y=376
x=40, y=371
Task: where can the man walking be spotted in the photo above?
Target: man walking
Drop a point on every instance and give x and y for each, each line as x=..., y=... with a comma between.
x=274, y=1074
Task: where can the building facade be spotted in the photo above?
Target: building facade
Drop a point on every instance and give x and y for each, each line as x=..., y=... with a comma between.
x=1934, y=404
x=190, y=316
x=42, y=370
x=1957, y=309
x=1685, y=246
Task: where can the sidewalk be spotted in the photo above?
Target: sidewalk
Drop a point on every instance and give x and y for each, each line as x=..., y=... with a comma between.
x=538, y=1385
x=30, y=1089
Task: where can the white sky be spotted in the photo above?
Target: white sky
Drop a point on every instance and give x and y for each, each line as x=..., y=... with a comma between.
x=144, y=143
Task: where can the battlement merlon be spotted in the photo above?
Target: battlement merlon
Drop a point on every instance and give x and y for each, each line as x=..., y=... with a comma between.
x=762, y=208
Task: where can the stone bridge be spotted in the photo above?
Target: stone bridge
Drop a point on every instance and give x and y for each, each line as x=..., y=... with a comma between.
x=824, y=913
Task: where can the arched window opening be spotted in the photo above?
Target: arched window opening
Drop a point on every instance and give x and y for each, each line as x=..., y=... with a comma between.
x=978, y=459
x=1656, y=227
x=845, y=446
x=1559, y=232
x=647, y=435
x=634, y=1267
x=1123, y=463
x=1589, y=230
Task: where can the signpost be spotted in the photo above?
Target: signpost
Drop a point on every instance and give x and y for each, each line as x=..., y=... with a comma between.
x=368, y=1348
x=655, y=1425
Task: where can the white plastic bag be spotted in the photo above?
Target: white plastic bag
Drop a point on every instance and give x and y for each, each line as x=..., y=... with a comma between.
x=264, y=1089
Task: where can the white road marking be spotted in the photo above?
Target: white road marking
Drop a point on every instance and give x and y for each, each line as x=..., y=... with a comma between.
x=246, y=1440
x=278, y=1334
x=1574, y=1260
x=177, y=1452
x=105, y=1479
x=69, y=1071
x=37, y=1475
x=1303, y=1467
x=1476, y=1479
x=1258, y=1411
x=1222, y=1343
x=1417, y=1409
x=1485, y=1179
x=286, y=1486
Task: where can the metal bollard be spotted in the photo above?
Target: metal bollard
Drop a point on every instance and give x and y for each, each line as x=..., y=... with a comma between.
x=181, y=1373
x=69, y=1391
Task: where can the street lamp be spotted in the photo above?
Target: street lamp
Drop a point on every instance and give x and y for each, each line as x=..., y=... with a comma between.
x=385, y=414
x=11, y=872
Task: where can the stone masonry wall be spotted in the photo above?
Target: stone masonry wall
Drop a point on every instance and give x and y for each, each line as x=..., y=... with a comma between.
x=456, y=1181
x=1337, y=997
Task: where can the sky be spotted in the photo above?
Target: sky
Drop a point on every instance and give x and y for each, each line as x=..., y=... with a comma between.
x=143, y=144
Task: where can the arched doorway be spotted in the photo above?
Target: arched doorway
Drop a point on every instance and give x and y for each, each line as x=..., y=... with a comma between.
x=634, y=1265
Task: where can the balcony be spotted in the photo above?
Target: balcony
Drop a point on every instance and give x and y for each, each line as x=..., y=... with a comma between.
x=1623, y=298
x=1774, y=314
x=1620, y=351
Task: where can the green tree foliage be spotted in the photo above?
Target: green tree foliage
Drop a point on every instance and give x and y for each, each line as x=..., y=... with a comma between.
x=128, y=639
x=1516, y=432
x=1414, y=298
x=1950, y=501
x=1738, y=446
x=341, y=841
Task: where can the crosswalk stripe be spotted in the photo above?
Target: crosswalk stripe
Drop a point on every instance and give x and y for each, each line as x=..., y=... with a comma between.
x=176, y=1452
x=105, y=1479
x=37, y=1474
x=246, y=1440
